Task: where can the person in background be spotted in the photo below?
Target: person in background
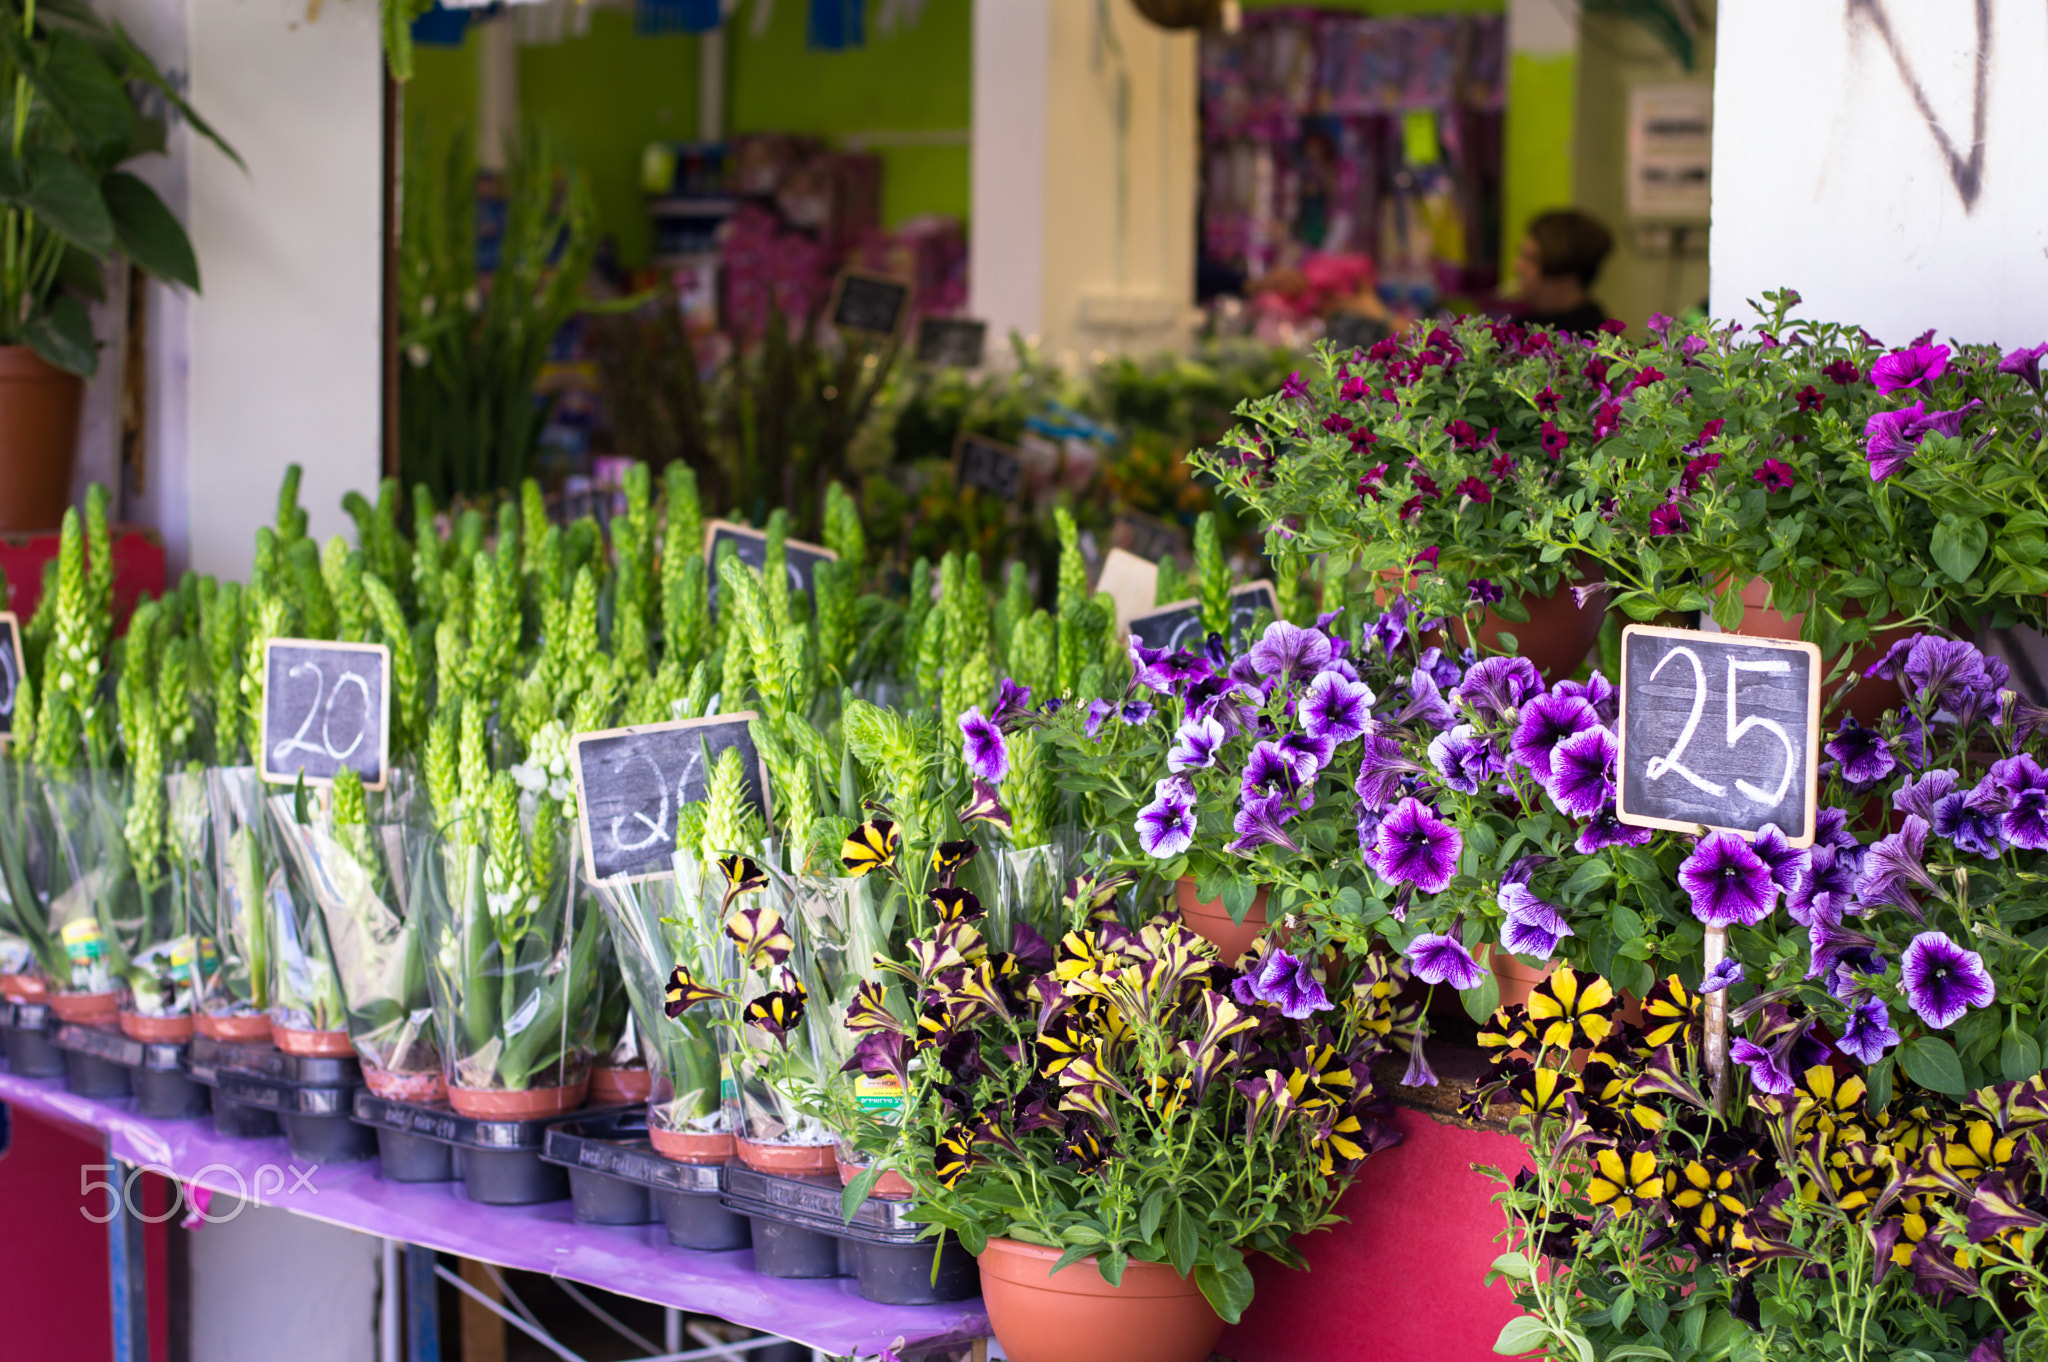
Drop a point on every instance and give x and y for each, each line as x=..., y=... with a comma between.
x=1559, y=259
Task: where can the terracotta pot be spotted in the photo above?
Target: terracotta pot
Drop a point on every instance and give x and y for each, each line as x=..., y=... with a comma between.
x=1038, y=1315
x=797, y=1160
x=1516, y=976
x=891, y=1186
x=87, y=1009
x=39, y=407
x=500, y=1104
x=24, y=988
x=1872, y=696
x=244, y=1029
x=690, y=1146
x=404, y=1087
x=1211, y=920
x=157, y=1030
x=611, y=1085
x=1556, y=637
x=324, y=1044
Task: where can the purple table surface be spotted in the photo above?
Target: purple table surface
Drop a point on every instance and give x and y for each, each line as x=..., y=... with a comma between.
x=631, y=1260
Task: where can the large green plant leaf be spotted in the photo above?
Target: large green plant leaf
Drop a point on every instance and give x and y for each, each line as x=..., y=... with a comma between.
x=63, y=336
x=147, y=231
x=64, y=198
x=86, y=98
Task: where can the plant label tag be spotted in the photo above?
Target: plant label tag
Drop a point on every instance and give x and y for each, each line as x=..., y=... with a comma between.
x=989, y=465
x=632, y=783
x=951, y=342
x=750, y=546
x=1153, y=540
x=1179, y=625
x=1718, y=731
x=326, y=706
x=874, y=303
x=12, y=669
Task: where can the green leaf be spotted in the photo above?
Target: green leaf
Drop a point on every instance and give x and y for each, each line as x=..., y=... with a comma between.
x=86, y=96
x=1624, y=1307
x=1111, y=1266
x=64, y=199
x=857, y=1191
x=1958, y=545
x=1522, y=1334
x=1514, y=1265
x=1638, y=1350
x=1183, y=1239
x=2019, y=1055
x=147, y=231
x=1227, y=1283
x=1930, y=1062
x=1589, y=876
x=1149, y=1217
x=63, y=336
x=1482, y=1002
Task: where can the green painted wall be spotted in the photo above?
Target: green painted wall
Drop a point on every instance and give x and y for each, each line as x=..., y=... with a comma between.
x=1536, y=162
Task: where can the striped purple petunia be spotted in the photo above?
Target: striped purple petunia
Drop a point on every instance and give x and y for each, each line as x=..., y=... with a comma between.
x=1416, y=847
x=1729, y=884
x=1441, y=959
x=1582, y=771
x=1943, y=981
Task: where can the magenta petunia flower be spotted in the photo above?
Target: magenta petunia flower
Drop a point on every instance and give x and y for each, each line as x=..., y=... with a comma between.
x=1943, y=981
x=1543, y=723
x=1416, y=847
x=1582, y=771
x=1903, y=369
x=2026, y=364
x=1728, y=882
x=1843, y=372
x=1441, y=959
x=1553, y=440
x=1890, y=437
x=1667, y=519
x=1166, y=826
x=1606, y=419
x=1776, y=475
x=1475, y=489
x=1294, y=389
x=1809, y=398
x=1336, y=709
x=1868, y=1032
x=988, y=756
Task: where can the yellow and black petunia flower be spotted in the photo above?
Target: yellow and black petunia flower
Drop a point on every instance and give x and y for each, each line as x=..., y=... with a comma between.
x=763, y=940
x=1083, y=1147
x=1671, y=1015
x=950, y=858
x=1976, y=1149
x=1342, y=1145
x=1542, y=1091
x=1059, y=1044
x=684, y=993
x=1570, y=1010
x=1169, y=1094
x=1828, y=1105
x=952, y=1155
x=1331, y=1072
x=1705, y=1197
x=1506, y=1032
x=1624, y=1178
x=781, y=1011
x=956, y=905
x=742, y=876
x=873, y=846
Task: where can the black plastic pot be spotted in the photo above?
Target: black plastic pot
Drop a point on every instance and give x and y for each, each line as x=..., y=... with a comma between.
x=315, y=1119
x=240, y=1121
x=499, y=1162
x=88, y=1075
x=167, y=1095
x=508, y=1177
x=413, y=1158
x=699, y=1220
x=602, y=1199
x=30, y=1053
x=901, y=1274
x=881, y=1245
x=100, y=1062
x=326, y=1139
x=782, y=1249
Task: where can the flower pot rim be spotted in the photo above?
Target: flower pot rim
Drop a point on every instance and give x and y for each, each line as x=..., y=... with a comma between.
x=1082, y=1277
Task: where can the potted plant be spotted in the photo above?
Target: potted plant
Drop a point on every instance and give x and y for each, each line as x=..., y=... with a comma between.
x=81, y=89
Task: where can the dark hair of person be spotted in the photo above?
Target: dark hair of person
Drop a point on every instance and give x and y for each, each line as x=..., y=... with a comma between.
x=1570, y=243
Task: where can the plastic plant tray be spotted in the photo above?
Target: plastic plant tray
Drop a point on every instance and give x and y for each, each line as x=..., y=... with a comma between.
x=499, y=1162
x=103, y=1062
x=617, y=1178
x=25, y=1030
x=207, y=1057
x=315, y=1117
x=799, y=1231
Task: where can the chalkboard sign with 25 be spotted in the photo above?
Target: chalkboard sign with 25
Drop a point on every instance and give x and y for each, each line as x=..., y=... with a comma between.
x=632, y=783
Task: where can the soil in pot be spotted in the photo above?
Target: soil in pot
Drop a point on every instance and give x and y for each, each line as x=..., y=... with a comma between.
x=797, y=1160
x=24, y=988
x=157, y=1030
x=1211, y=920
x=246, y=1028
x=1872, y=696
x=501, y=1104
x=690, y=1146
x=891, y=1186
x=609, y=1085
x=324, y=1044
x=405, y=1087
x=87, y=1009
x=39, y=408
x=1073, y=1315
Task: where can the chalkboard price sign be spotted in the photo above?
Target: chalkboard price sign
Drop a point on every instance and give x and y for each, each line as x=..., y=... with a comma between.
x=989, y=465
x=953, y=342
x=750, y=546
x=325, y=706
x=1153, y=540
x=10, y=670
x=874, y=303
x=1180, y=625
x=1718, y=731
x=633, y=782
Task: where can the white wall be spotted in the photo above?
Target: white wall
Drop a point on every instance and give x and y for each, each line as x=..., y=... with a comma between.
x=268, y=1284
x=1012, y=45
x=1829, y=178
x=285, y=338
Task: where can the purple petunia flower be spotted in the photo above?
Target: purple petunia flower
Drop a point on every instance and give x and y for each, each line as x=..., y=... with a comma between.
x=2025, y=823
x=1194, y=745
x=1863, y=755
x=1012, y=707
x=1390, y=630
x=1596, y=690
x=1726, y=973
x=1766, y=1067
x=1271, y=773
x=1582, y=771
x=1973, y=820
x=1895, y=865
x=1541, y=725
x=1787, y=862
x=1136, y=711
x=1484, y=591
x=1909, y=368
x=1890, y=437
x=1258, y=823
x=1165, y=670
x=1534, y=927
x=1868, y=1032
x=1937, y=670
x=1440, y=959
x=988, y=756
x=1098, y=710
x=1606, y=829
x=1919, y=795
x=1380, y=772
x=1336, y=709
x=1284, y=982
x=1496, y=687
x=1464, y=760
x=1166, y=826
x=1441, y=666
x=2025, y=362
x=1833, y=945
x=1425, y=703
x=1289, y=652
x=1416, y=847
x=1308, y=755
x=1294, y=389
x=1728, y=882
x=1826, y=890
x=1943, y=981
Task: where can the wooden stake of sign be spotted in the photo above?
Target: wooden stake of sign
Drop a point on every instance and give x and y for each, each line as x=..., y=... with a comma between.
x=12, y=669
x=326, y=706
x=1715, y=1023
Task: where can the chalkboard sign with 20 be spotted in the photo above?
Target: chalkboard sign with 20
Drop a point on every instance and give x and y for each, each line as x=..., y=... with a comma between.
x=326, y=706
x=10, y=669
x=1718, y=731
x=632, y=783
